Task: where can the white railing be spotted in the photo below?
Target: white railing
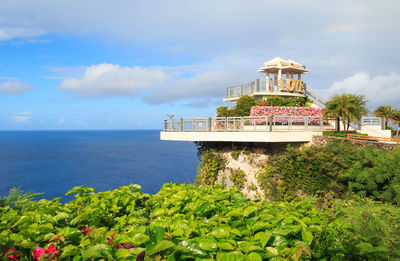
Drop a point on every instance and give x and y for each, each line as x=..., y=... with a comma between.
x=258, y=123
x=256, y=86
x=259, y=86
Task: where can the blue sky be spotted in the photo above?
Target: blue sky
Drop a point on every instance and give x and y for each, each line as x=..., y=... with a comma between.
x=98, y=64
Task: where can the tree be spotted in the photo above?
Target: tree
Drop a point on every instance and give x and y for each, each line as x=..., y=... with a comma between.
x=347, y=108
x=384, y=111
x=357, y=108
x=243, y=106
x=395, y=117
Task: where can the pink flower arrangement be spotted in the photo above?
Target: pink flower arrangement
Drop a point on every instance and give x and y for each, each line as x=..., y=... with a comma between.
x=7, y=254
x=286, y=111
x=50, y=252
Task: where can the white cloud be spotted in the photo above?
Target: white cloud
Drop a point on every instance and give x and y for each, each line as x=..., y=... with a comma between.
x=201, y=88
x=8, y=33
x=379, y=89
x=14, y=87
x=21, y=117
x=108, y=80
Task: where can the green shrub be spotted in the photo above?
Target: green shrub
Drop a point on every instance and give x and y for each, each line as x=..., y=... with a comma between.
x=225, y=111
x=238, y=178
x=235, y=154
x=377, y=224
x=211, y=163
x=243, y=106
x=284, y=101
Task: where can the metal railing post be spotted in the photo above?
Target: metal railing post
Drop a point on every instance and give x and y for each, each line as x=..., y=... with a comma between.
x=181, y=125
x=165, y=125
x=226, y=123
x=321, y=123
x=172, y=124
x=305, y=123
x=290, y=123
x=209, y=124
x=194, y=124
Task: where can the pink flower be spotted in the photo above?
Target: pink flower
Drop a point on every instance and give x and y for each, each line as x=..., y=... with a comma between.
x=50, y=251
x=13, y=256
x=85, y=230
x=38, y=252
x=111, y=239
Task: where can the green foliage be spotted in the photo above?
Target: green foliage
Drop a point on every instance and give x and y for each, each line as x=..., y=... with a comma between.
x=338, y=169
x=225, y=111
x=284, y=101
x=211, y=164
x=243, y=106
x=238, y=178
x=376, y=175
x=374, y=223
x=184, y=222
x=346, y=107
x=341, y=134
x=235, y=154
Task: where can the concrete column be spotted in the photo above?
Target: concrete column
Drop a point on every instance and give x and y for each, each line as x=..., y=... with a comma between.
x=275, y=81
x=299, y=76
x=279, y=78
x=267, y=82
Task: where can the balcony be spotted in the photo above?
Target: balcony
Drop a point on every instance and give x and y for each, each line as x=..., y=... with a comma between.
x=260, y=87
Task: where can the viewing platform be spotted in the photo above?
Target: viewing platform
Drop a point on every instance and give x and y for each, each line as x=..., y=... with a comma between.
x=245, y=129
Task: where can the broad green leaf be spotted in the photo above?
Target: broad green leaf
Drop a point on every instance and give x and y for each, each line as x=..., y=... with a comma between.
x=221, y=233
x=96, y=251
x=161, y=246
x=122, y=253
x=307, y=236
x=263, y=237
x=207, y=245
x=249, y=210
x=233, y=257
x=271, y=251
x=225, y=246
x=253, y=256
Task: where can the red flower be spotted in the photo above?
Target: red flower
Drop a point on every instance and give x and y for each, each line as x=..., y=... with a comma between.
x=38, y=252
x=50, y=251
x=111, y=239
x=85, y=230
x=13, y=256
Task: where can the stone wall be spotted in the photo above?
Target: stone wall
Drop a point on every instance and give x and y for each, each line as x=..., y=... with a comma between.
x=320, y=140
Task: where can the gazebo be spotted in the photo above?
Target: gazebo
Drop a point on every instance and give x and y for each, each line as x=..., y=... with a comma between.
x=279, y=66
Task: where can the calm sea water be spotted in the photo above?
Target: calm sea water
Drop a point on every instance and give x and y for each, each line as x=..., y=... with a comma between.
x=52, y=162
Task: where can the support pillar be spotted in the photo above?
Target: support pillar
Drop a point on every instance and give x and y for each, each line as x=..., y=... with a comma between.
x=275, y=81
x=279, y=79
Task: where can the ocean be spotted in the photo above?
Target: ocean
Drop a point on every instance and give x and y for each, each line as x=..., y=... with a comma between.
x=53, y=162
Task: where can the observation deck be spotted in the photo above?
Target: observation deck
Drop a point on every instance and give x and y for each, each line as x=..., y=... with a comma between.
x=245, y=129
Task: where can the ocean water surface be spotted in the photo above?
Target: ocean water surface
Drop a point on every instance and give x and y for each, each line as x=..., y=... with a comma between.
x=52, y=162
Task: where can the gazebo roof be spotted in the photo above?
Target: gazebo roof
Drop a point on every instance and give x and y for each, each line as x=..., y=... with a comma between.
x=285, y=65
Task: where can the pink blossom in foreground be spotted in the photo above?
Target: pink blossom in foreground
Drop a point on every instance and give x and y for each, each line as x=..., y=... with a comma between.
x=12, y=256
x=50, y=251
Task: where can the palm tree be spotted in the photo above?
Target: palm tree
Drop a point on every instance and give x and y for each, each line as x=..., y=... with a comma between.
x=357, y=108
x=395, y=117
x=384, y=111
x=346, y=107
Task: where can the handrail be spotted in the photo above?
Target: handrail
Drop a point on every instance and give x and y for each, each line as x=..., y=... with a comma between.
x=253, y=123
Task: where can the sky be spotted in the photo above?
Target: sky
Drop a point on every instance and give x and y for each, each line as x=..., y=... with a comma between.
x=125, y=64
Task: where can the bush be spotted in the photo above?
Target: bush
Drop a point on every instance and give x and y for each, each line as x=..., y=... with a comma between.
x=284, y=101
x=243, y=106
x=339, y=169
x=211, y=164
x=184, y=222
